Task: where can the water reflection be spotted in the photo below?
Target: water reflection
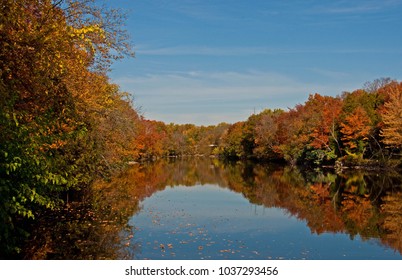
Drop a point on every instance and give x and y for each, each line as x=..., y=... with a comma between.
x=206, y=222
x=206, y=209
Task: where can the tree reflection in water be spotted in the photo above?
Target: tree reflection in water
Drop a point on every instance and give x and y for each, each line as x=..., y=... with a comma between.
x=357, y=203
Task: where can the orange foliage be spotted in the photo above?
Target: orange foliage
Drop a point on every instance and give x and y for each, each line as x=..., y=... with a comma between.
x=355, y=127
x=323, y=129
x=392, y=116
x=358, y=209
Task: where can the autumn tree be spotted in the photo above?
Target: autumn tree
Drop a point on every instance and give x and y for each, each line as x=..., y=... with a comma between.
x=371, y=101
x=231, y=141
x=291, y=134
x=376, y=85
x=321, y=120
x=324, y=131
x=213, y=137
x=37, y=115
x=150, y=138
x=175, y=144
x=355, y=129
x=308, y=131
x=266, y=130
x=392, y=117
x=49, y=53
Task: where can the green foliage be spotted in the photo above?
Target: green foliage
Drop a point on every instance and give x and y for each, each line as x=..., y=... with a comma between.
x=319, y=157
x=232, y=141
x=50, y=142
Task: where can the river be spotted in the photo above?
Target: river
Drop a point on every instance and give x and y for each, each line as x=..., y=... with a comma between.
x=203, y=208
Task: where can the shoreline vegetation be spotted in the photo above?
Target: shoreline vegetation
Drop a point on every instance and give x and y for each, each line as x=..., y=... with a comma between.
x=63, y=124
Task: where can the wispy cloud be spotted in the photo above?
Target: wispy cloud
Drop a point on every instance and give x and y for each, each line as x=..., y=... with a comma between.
x=213, y=97
x=350, y=10
x=334, y=75
x=250, y=50
x=303, y=46
x=347, y=7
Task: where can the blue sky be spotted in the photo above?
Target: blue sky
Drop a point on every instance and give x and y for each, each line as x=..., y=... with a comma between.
x=205, y=62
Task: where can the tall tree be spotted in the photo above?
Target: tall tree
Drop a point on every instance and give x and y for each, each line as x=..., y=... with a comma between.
x=292, y=137
x=355, y=129
x=392, y=117
x=231, y=141
x=266, y=130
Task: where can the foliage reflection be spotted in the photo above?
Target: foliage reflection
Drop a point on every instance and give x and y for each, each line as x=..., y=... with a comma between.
x=357, y=203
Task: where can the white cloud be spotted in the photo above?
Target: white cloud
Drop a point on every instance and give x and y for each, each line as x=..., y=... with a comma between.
x=203, y=50
x=213, y=97
x=359, y=7
x=143, y=50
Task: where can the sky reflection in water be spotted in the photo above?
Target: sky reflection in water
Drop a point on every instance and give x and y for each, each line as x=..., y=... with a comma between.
x=210, y=222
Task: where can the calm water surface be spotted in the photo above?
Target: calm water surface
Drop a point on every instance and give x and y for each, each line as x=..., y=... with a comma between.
x=210, y=222
x=205, y=209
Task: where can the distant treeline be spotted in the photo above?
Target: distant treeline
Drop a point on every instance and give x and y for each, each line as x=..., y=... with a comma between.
x=63, y=124
x=363, y=127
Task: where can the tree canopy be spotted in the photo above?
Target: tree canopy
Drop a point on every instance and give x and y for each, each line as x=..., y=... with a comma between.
x=55, y=101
